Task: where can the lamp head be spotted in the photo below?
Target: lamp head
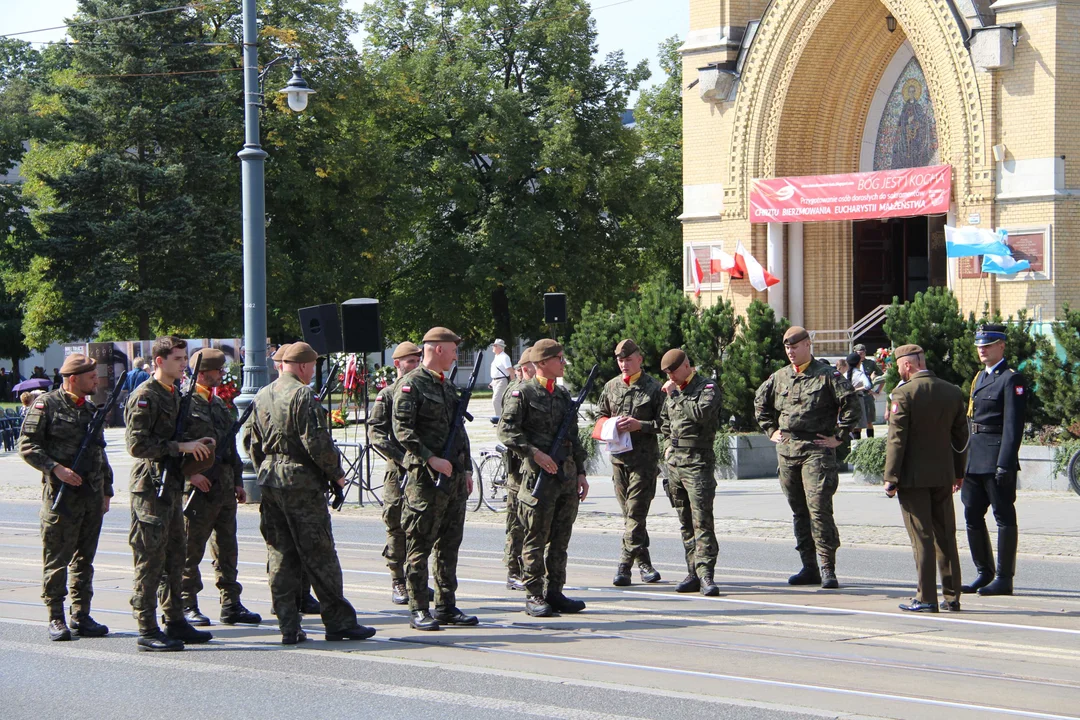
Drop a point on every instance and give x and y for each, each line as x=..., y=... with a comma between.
x=297, y=89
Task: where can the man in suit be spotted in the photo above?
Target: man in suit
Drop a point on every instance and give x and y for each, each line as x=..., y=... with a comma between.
x=924, y=465
x=996, y=409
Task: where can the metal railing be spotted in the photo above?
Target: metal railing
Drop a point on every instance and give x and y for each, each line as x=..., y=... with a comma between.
x=844, y=339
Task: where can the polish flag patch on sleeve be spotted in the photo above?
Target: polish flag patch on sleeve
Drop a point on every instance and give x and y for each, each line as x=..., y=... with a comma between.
x=406, y=388
x=515, y=393
x=39, y=405
x=1019, y=389
x=896, y=407
x=709, y=386
x=142, y=404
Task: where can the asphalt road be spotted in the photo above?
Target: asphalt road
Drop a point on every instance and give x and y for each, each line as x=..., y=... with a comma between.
x=760, y=650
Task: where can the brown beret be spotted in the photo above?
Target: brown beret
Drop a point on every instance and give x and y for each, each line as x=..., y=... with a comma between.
x=905, y=350
x=280, y=352
x=440, y=334
x=406, y=349
x=672, y=360
x=795, y=335
x=626, y=348
x=526, y=356
x=77, y=364
x=299, y=352
x=212, y=359
x=545, y=350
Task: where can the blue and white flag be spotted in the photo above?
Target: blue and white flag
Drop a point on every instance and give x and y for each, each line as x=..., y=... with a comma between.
x=971, y=241
x=1004, y=265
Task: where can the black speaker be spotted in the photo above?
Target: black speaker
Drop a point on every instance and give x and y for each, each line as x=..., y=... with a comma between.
x=554, y=307
x=361, y=329
x=321, y=328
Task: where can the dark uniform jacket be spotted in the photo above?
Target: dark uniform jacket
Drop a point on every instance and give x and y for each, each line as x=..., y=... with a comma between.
x=381, y=423
x=997, y=420
x=927, y=433
x=804, y=405
x=212, y=418
x=688, y=421
x=642, y=400
x=151, y=423
x=423, y=411
x=52, y=431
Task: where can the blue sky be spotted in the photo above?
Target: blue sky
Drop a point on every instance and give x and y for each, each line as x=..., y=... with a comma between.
x=634, y=26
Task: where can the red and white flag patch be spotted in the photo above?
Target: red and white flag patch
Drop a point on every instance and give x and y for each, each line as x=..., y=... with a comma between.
x=709, y=386
x=896, y=407
x=406, y=388
x=515, y=393
x=142, y=404
x=39, y=405
x=1019, y=389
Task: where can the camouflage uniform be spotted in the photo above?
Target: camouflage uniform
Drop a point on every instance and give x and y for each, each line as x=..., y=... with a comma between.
x=52, y=431
x=157, y=524
x=688, y=422
x=381, y=423
x=515, y=532
x=634, y=472
x=215, y=511
x=802, y=405
x=433, y=518
x=290, y=447
x=531, y=418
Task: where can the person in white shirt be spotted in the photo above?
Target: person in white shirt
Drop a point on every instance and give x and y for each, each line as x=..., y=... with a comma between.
x=862, y=385
x=501, y=371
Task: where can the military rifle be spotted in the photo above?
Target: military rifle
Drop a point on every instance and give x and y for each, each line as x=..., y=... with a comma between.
x=188, y=509
x=558, y=445
x=328, y=386
x=174, y=465
x=460, y=413
x=94, y=435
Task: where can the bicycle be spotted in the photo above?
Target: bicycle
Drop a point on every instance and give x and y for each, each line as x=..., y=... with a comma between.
x=357, y=459
x=1074, y=472
x=489, y=480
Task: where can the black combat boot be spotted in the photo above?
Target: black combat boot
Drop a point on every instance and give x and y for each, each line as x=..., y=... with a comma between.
x=310, y=606
x=359, y=632
x=708, y=587
x=689, y=584
x=622, y=575
x=237, y=614
x=292, y=637
x=453, y=616
x=514, y=582
x=562, y=604
x=85, y=626
x=157, y=641
x=649, y=574
x=983, y=556
x=193, y=615
x=809, y=575
x=399, y=594
x=828, y=576
x=422, y=620
x=182, y=630
x=537, y=606
x=58, y=630
x=1006, y=565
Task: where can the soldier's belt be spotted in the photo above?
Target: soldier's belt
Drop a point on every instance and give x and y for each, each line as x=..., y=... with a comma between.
x=803, y=435
x=690, y=443
x=987, y=429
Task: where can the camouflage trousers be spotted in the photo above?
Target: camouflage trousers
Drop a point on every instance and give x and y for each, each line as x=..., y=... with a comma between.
x=809, y=478
x=157, y=542
x=434, y=523
x=635, y=489
x=394, y=551
x=692, y=487
x=296, y=526
x=216, y=516
x=548, y=522
x=69, y=543
x=515, y=531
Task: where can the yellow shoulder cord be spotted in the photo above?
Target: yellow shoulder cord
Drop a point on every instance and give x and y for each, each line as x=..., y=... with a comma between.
x=970, y=413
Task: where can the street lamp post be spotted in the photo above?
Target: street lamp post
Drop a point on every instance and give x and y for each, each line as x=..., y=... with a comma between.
x=254, y=208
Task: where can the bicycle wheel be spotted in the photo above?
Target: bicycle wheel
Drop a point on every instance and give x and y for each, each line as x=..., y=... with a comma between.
x=1074, y=472
x=476, y=497
x=372, y=482
x=493, y=470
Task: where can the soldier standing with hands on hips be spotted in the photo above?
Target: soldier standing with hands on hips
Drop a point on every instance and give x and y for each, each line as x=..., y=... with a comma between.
x=996, y=410
x=52, y=432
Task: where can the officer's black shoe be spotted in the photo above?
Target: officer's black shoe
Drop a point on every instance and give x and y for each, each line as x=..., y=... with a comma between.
x=399, y=594
x=689, y=584
x=290, y=637
x=708, y=587
x=537, y=606
x=514, y=582
x=422, y=620
x=183, y=631
x=195, y=617
x=453, y=616
x=1000, y=586
x=86, y=626
x=980, y=582
x=157, y=641
x=806, y=576
x=828, y=578
x=950, y=605
x=919, y=606
x=622, y=575
x=239, y=615
x=562, y=604
x=310, y=606
x=360, y=632
x=649, y=574
x=58, y=630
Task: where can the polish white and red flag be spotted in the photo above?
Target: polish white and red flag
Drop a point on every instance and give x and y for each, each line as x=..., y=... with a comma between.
x=698, y=276
x=720, y=261
x=759, y=277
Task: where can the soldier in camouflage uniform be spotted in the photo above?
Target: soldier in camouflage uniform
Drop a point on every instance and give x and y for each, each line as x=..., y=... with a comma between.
x=433, y=517
x=52, y=432
x=213, y=495
x=532, y=415
x=688, y=422
x=809, y=409
x=515, y=533
x=406, y=358
x=294, y=456
x=635, y=399
x=157, y=523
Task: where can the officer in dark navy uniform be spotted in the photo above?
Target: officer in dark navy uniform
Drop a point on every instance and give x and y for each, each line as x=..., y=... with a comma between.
x=996, y=411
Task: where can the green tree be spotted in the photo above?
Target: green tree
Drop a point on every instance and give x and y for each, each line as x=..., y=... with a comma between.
x=933, y=322
x=593, y=341
x=756, y=353
x=707, y=334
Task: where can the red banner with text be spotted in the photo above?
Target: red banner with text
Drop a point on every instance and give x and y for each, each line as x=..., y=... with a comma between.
x=853, y=196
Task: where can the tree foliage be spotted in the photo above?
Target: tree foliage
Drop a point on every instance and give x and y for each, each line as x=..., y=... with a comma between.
x=756, y=353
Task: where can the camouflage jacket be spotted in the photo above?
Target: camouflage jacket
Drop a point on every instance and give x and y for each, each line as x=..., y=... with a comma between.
x=151, y=422
x=212, y=418
x=288, y=440
x=688, y=421
x=643, y=400
x=531, y=419
x=423, y=411
x=381, y=423
x=52, y=431
x=804, y=405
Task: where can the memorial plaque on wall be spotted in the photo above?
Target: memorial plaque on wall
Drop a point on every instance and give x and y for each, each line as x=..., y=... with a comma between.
x=1030, y=246
x=970, y=267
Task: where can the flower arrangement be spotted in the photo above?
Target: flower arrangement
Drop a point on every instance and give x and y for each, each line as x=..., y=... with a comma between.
x=229, y=387
x=884, y=356
x=337, y=418
x=384, y=376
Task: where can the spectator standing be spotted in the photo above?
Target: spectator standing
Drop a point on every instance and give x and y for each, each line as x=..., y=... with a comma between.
x=501, y=370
